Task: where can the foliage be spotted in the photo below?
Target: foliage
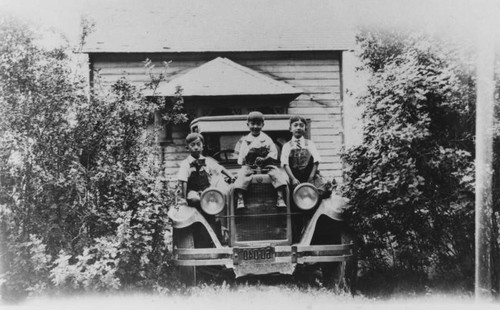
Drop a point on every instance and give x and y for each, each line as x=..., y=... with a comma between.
x=171, y=109
x=126, y=196
x=83, y=200
x=37, y=91
x=495, y=259
x=411, y=181
x=95, y=268
x=30, y=256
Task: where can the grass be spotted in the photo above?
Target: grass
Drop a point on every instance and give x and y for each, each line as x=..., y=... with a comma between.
x=247, y=297
x=270, y=292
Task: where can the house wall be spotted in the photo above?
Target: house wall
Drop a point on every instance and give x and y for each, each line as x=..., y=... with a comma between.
x=317, y=74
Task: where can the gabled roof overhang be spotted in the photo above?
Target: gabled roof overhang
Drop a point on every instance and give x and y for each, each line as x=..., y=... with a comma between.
x=222, y=77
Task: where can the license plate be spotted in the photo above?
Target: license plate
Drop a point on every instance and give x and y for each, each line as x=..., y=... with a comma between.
x=255, y=255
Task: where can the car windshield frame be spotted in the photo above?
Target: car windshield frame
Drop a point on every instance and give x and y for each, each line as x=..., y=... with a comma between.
x=214, y=128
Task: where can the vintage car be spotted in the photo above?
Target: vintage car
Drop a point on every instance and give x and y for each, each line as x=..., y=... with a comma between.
x=310, y=235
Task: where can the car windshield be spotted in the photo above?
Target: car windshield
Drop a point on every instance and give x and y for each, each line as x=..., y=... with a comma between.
x=224, y=147
x=217, y=143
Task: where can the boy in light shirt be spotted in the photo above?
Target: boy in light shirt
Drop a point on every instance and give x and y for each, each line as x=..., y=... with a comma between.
x=197, y=172
x=258, y=149
x=299, y=156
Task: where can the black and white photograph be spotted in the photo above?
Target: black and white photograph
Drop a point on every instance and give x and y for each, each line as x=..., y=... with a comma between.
x=249, y=154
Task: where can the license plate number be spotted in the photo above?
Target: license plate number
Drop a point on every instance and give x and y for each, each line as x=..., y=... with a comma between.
x=256, y=255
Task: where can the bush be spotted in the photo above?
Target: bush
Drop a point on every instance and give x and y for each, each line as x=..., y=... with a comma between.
x=94, y=269
x=30, y=268
x=411, y=181
x=83, y=199
x=37, y=91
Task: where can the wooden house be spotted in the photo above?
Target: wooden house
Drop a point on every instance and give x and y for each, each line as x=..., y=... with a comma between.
x=232, y=57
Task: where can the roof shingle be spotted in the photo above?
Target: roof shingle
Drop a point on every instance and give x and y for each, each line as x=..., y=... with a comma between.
x=223, y=77
x=220, y=25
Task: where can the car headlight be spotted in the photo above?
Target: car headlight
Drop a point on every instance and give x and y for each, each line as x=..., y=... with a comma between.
x=212, y=201
x=305, y=196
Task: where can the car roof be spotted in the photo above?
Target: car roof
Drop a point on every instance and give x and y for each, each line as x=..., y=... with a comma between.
x=238, y=123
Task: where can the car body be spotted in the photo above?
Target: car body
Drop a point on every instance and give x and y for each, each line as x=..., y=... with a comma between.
x=260, y=239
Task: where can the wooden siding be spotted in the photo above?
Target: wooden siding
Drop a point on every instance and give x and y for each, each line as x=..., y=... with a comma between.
x=318, y=74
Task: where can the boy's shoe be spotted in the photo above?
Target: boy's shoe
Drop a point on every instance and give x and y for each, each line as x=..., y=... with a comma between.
x=240, y=204
x=280, y=203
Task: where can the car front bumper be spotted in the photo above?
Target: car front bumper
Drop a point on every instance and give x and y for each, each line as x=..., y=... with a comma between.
x=284, y=258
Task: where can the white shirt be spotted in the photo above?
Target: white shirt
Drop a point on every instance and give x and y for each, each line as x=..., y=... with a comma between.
x=249, y=141
x=185, y=169
x=292, y=144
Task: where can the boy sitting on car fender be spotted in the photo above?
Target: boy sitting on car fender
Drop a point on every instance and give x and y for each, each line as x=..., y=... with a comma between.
x=300, y=158
x=258, y=149
x=197, y=173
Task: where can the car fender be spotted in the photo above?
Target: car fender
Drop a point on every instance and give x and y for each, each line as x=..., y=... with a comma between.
x=333, y=207
x=183, y=216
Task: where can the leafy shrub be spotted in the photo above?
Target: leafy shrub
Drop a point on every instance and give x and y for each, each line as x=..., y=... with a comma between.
x=94, y=269
x=411, y=180
x=37, y=91
x=83, y=199
x=29, y=270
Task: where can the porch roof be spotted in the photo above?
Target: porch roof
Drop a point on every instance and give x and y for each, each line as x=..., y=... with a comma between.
x=223, y=77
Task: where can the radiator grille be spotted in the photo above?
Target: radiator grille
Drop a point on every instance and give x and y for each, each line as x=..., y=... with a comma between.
x=261, y=219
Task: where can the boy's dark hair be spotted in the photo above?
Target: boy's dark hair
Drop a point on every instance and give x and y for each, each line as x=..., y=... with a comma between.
x=255, y=116
x=297, y=118
x=193, y=136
